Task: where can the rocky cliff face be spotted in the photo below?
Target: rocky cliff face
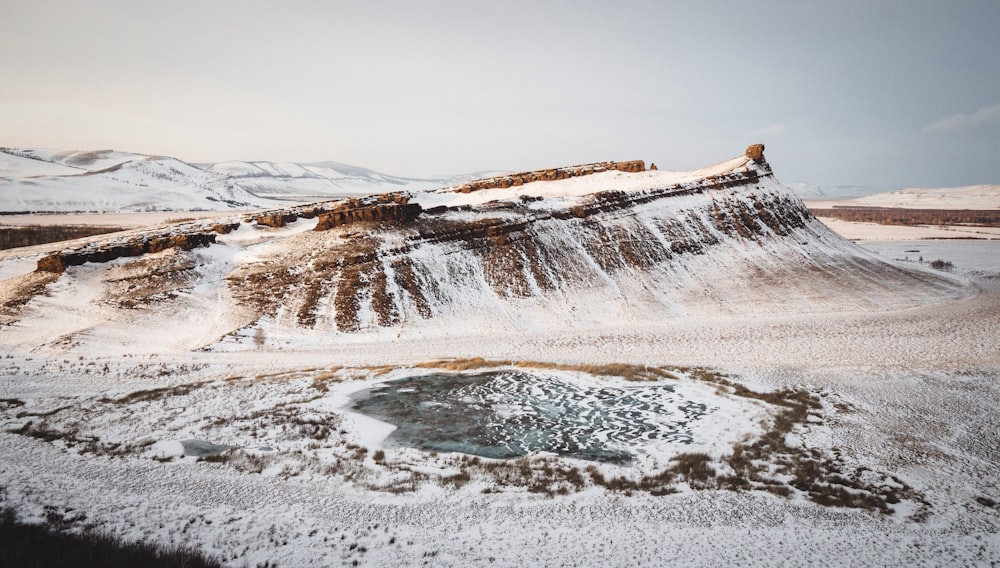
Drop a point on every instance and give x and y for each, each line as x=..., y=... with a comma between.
x=388, y=261
x=134, y=246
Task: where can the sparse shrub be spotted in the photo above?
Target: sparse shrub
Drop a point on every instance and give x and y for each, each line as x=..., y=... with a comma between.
x=217, y=458
x=457, y=480
x=695, y=468
x=30, y=235
x=39, y=545
x=941, y=264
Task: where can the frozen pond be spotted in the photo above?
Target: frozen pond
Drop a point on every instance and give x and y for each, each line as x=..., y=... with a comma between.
x=504, y=414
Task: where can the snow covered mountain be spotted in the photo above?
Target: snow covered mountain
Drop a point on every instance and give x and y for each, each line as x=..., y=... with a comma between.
x=288, y=181
x=109, y=181
x=588, y=247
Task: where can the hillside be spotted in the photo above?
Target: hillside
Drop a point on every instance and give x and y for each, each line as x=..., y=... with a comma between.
x=590, y=247
x=35, y=180
x=317, y=180
x=967, y=197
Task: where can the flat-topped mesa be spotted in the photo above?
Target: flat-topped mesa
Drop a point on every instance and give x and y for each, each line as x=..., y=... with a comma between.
x=392, y=208
x=521, y=178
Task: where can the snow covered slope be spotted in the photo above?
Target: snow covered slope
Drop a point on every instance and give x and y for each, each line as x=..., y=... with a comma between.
x=109, y=181
x=308, y=182
x=15, y=164
x=589, y=247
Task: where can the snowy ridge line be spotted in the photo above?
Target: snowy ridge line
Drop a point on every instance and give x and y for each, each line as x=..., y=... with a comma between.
x=41, y=180
x=550, y=174
x=602, y=202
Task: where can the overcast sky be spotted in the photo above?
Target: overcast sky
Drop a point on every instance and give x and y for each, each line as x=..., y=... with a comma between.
x=869, y=92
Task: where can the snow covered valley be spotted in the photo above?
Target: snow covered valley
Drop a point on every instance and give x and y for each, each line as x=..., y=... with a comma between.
x=773, y=393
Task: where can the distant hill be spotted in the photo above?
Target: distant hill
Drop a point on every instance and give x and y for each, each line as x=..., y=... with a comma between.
x=40, y=180
x=809, y=191
x=966, y=197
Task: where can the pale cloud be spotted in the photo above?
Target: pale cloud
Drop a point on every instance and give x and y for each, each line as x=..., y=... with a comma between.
x=964, y=121
x=769, y=130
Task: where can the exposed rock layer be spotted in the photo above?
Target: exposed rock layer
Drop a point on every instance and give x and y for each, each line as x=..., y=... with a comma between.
x=58, y=262
x=649, y=246
x=385, y=262
x=510, y=180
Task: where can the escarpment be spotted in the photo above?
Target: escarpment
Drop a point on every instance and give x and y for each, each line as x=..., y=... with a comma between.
x=386, y=260
x=391, y=207
x=579, y=246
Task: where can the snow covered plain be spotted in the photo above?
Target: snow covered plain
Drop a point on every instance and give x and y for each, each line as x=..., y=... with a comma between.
x=905, y=384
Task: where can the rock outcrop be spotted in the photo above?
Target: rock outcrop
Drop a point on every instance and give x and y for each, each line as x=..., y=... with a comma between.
x=389, y=208
x=511, y=180
x=136, y=246
x=276, y=218
x=413, y=263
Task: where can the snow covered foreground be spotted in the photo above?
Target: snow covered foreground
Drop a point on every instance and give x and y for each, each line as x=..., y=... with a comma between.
x=903, y=362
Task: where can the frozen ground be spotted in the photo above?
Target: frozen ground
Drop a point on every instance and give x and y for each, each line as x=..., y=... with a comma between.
x=918, y=388
x=101, y=427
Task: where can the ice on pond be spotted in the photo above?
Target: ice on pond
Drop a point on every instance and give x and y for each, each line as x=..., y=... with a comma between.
x=201, y=448
x=504, y=414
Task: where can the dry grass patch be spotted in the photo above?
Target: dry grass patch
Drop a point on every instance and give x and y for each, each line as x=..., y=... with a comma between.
x=635, y=373
x=31, y=235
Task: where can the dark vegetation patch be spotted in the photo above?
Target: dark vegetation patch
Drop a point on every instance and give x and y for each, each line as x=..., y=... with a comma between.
x=73, y=438
x=27, y=545
x=30, y=235
x=158, y=393
x=634, y=373
x=942, y=264
x=901, y=216
x=987, y=502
